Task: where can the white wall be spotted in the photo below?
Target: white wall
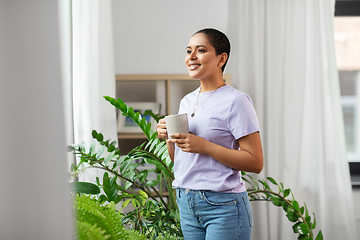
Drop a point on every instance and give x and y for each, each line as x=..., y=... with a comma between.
x=151, y=36
x=34, y=202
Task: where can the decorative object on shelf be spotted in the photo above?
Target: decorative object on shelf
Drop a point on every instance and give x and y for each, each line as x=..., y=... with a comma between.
x=127, y=125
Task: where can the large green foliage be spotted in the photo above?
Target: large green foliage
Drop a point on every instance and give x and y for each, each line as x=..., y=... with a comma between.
x=95, y=220
x=153, y=215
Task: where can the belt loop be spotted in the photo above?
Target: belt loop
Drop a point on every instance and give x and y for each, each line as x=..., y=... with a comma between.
x=178, y=192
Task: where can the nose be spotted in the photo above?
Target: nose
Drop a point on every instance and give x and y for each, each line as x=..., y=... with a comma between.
x=193, y=55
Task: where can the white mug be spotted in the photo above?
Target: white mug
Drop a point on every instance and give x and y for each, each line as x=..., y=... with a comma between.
x=177, y=123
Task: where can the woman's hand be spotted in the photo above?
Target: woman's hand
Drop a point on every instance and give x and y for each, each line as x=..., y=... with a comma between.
x=161, y=129
x=188, y=142
x=249, y=158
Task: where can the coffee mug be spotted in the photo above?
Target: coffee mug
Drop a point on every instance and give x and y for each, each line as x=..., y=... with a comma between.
x=177, y=123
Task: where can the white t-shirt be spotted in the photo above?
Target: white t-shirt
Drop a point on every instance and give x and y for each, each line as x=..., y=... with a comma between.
x=221, y=118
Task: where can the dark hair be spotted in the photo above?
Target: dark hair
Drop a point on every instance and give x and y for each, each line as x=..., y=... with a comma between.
x=218, y=40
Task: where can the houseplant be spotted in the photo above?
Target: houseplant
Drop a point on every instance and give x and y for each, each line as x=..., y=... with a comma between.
x=152, y=214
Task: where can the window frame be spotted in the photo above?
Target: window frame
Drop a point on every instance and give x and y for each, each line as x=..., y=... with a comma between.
x=350, y=9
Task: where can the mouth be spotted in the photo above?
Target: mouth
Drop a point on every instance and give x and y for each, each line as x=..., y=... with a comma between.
x=193, y=66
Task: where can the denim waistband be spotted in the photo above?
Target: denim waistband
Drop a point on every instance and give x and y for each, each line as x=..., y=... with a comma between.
x=186, y=190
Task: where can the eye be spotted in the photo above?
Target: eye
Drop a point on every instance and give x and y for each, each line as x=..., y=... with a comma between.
x=188, y=51
x=201, y=50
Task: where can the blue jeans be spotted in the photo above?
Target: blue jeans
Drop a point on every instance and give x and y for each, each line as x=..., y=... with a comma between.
x=213, y=215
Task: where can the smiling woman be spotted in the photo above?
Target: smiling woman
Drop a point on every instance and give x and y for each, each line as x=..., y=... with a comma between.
x=204, y=60
x=223, y=140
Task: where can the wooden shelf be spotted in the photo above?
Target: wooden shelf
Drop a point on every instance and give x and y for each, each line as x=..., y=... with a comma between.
x=131, y=136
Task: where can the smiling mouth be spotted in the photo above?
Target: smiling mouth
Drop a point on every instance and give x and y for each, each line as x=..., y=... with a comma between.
x=193, y=66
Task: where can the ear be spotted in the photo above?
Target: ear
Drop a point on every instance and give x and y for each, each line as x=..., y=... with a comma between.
x=222, y=59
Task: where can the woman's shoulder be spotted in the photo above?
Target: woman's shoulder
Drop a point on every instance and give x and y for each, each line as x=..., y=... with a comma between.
x=237, y=98
x=235, y=93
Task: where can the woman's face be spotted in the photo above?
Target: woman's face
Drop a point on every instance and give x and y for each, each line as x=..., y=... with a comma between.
x=201, y=59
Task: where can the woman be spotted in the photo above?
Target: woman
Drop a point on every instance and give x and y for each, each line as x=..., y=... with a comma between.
x=224, y=139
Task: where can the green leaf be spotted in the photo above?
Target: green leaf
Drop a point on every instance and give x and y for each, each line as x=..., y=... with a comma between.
x=126, y=202
x=111, y=148
x=266, y=186
x=155, y=162
x=255, y=185
x=147, y=129
x=314, y=224
x=143, y=176
x=125, y=165
x=100, y=152
x=108, y=158
x=84, y=187
x=119, y=161
x=102, y=198
x=100, y=137
x=142, y=123
x=292, y=216
x=286, y=192
x=144, y=194
x=110, y=187
x=94, y=134
x=301, y=228
x=272, y=180
x=128, y=184
x=285, y=206
x=302, y=210
x=135, y=202
x=92, y=149
x=154, y=135
x=73, y=167
x=319, y=236
x=308, y=221
x=304, y=237
x=276, y=201
x=129, y=174
x=153, y=144
x=152, y=183
x=296, y=205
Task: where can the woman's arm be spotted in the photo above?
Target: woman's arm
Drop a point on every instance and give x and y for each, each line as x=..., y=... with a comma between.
x=249, y=158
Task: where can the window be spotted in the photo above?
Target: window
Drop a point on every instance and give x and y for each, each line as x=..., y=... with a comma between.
x=347, y=47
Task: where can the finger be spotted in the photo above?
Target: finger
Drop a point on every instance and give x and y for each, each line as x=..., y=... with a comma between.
x=173, y=140
x=161, y=125
x=177, y=135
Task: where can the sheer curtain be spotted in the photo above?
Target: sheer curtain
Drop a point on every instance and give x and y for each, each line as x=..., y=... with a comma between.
x=283, y=56
x=93, y=73
x=34, y=201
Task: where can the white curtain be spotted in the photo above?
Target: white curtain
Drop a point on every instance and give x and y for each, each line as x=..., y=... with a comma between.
x=34, y=202
x=93, y=73
x=283, y=56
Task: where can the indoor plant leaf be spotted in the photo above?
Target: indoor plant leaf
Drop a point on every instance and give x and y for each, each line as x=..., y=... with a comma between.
x=84, y=187
x=301, y=228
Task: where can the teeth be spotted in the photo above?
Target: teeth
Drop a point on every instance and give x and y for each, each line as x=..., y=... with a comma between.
x=193, y=66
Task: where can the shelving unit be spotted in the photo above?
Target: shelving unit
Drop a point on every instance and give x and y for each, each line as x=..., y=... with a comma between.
x=168, y=89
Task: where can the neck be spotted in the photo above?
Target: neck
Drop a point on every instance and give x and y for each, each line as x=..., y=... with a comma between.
x=207, y=86
x=212, y=82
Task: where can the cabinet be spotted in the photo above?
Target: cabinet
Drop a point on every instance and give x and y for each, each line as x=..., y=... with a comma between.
x=166, y=89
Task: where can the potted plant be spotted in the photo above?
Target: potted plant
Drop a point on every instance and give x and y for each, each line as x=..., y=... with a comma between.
x=153, y=216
